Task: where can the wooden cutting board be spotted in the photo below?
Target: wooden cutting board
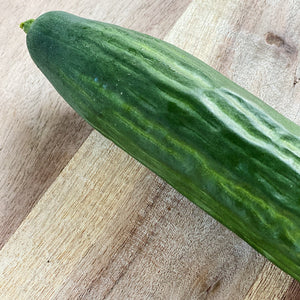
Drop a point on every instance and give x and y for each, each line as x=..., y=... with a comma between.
x=79, y=218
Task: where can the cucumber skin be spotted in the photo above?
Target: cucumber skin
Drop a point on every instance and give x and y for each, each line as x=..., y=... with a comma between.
x=217, y=144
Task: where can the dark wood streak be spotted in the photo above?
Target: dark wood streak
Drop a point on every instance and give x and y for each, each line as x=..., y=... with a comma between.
x=293, y=293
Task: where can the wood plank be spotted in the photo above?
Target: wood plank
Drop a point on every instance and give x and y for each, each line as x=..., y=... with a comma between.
x=108, y=227
x=107, y=222
x=39, y=132
x=71, y=219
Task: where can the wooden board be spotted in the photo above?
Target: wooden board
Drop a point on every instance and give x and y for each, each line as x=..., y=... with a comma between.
x=79, y=218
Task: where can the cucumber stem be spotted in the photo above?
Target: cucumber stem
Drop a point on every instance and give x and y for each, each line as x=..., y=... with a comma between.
x=26, y=25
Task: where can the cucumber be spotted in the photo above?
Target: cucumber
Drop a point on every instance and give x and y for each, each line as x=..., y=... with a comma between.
x=220, y=146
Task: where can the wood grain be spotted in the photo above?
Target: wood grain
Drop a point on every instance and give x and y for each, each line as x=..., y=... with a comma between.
x=105, y=224
x=108, y=228
x=271, y=283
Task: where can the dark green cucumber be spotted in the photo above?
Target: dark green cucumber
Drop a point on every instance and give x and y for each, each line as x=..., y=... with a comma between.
x=214, y=142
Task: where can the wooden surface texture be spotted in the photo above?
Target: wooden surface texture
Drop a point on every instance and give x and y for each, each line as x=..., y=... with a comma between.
x=79, y=218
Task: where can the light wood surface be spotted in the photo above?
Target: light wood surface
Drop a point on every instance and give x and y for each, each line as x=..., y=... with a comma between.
x=79, y=218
